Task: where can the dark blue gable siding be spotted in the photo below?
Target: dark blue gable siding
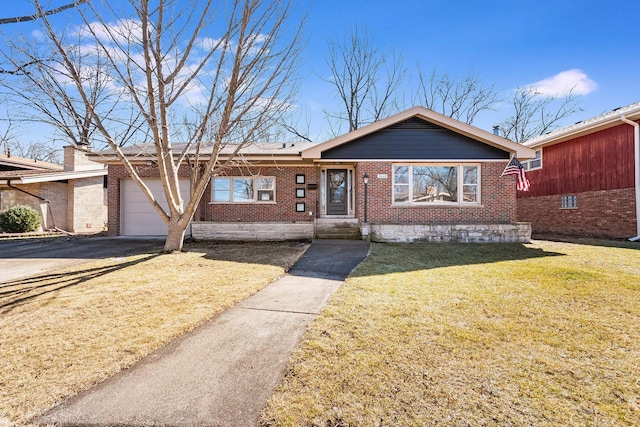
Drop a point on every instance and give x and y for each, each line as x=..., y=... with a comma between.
x=415, y=139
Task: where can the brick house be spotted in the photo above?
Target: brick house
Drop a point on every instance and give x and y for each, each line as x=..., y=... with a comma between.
x=71, y=198
x=584, y=179
x=428, y=177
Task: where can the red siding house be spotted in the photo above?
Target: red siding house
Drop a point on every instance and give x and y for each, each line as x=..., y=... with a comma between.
x=417, y=175
x=584, y=178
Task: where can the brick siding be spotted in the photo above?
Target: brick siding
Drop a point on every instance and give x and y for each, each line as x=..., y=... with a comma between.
x=87, y=209
x=607, y=213
x=284, y=209
x=498, y=199
x=57, y=193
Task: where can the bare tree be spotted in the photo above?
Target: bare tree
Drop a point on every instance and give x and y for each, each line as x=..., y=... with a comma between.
x=46, y=92
x=225, y=66
x=40, y=151
x=10, y=145
x=365, y=79
x=41, y=13
x=7, y=138
x=34, y=149
x=461, y=99
x=535, y=114
x=292, y=126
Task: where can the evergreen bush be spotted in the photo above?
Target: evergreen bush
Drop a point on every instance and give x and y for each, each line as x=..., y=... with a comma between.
x=19, y=219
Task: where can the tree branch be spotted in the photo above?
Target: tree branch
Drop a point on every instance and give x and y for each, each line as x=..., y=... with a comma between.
x=18, y=19
x=20, y=70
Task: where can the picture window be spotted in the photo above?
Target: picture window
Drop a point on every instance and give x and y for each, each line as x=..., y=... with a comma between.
x=436, y=184
x=240, y=189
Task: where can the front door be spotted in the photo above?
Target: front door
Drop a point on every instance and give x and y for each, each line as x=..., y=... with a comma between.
x=337, y=192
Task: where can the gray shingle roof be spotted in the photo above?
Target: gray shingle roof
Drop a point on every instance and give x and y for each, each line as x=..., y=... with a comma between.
x=270, y=148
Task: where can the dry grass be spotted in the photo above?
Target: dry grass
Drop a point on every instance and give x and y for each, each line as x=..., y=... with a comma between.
x=61, y=333
x=543, y=334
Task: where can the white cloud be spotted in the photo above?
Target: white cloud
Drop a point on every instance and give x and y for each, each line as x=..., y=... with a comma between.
x=209, y=43
x=571, y=80
x=123, y=32
x=38, y=35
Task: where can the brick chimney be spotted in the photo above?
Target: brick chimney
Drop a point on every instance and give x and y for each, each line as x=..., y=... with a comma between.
x=75, y=159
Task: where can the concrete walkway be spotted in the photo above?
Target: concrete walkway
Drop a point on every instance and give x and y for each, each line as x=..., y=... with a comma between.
x=222, y=373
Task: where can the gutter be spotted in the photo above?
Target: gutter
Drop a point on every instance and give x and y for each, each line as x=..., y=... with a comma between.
x=59, y=176
x=636, y=152
x=54, y=176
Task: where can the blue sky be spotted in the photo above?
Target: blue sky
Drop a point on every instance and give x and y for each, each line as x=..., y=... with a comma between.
x=557, y=44
x=507, y=43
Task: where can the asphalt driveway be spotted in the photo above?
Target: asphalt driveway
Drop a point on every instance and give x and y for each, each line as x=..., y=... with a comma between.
x=23, y=258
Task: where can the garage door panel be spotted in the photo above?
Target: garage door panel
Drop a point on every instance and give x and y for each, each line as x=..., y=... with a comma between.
x=138, y=217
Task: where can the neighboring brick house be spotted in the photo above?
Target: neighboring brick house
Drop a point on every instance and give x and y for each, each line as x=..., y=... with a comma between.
x=429, y=178
x=71, y=198
x=584, y=179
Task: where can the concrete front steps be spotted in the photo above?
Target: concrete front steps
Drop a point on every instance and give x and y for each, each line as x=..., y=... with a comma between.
x=338, y=228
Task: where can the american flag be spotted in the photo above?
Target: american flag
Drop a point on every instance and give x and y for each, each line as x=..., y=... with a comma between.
x=515, y=168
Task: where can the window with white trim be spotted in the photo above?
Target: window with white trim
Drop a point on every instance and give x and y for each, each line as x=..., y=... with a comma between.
x=569, y=202
x=417, y=184
x=241, y=189
x=535, y=163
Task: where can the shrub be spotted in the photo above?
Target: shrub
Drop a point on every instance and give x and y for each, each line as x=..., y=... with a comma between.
x=19, y=219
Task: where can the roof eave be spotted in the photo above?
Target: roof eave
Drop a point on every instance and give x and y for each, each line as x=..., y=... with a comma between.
x=431, y=116
x=107, y=160
x=29, y=165
x=56, y=176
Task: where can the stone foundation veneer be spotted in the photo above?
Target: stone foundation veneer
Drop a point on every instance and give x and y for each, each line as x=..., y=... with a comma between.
x=259, y=231
x=519, y=232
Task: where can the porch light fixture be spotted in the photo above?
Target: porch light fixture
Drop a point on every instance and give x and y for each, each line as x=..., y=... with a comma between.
x=365, y=179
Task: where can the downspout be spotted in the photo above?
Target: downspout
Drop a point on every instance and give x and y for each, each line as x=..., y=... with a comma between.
x=39, y=198
x=636, y=155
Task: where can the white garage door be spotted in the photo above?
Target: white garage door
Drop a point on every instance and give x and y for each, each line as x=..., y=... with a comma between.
x=137, y=216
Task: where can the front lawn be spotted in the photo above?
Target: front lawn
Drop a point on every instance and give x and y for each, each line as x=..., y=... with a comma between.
x=64, y=331
x=542, y=334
